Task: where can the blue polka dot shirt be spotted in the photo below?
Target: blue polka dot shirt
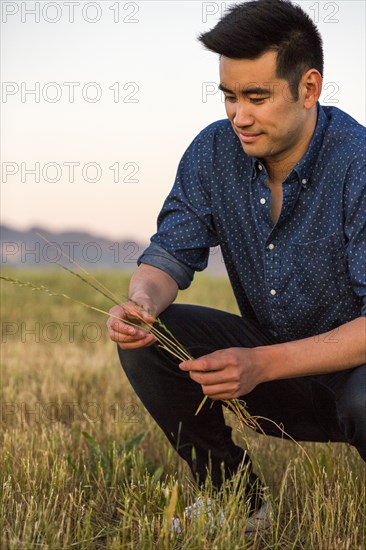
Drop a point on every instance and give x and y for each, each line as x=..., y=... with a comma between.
x=304, y=274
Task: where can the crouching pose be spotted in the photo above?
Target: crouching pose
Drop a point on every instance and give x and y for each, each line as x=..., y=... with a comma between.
x=280, y=186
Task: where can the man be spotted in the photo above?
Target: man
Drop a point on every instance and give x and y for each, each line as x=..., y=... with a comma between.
x=280, y=187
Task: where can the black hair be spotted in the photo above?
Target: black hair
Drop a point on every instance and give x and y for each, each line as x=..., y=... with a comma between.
x=250, y=29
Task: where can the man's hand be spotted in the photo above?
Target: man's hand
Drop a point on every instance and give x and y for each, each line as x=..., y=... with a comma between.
x=225, y=374
x=126, y=336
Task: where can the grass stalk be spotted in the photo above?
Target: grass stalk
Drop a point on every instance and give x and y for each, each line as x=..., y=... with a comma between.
x=112, y=296
x=168, y=343
x=48, y=501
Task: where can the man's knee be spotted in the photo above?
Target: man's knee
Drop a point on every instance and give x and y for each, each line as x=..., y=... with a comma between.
x=134, y=359
x=352, y=407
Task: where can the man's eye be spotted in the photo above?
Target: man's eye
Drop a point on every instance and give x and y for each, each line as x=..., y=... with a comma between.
x=230, y=98
x=257, y=100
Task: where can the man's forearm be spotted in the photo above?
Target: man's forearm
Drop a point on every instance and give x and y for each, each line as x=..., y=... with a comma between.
x=337, y=350
x=152, y=288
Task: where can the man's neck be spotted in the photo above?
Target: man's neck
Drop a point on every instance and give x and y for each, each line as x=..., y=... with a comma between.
x=278, y=169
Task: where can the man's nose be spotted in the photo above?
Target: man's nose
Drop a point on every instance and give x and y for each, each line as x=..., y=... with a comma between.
x=243, y=114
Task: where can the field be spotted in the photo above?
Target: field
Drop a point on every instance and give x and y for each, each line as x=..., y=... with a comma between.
x=83, y=466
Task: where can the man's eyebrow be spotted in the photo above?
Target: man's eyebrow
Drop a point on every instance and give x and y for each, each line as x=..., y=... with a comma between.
x=252, y=90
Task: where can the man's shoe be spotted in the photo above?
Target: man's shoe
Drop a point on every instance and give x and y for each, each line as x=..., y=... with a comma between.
x=203, y=511
x=261, y=520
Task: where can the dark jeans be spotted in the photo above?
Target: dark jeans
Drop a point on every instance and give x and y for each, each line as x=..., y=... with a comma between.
x=330, y=407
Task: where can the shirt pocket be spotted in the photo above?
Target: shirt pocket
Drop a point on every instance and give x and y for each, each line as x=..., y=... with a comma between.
x=320, y=270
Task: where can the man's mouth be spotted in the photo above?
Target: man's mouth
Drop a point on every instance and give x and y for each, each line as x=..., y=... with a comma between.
x=248, y=137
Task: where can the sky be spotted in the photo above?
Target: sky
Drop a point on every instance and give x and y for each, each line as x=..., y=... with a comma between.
x=101, y=99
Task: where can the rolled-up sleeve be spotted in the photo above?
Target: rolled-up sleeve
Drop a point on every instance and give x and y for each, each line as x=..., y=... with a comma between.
x=156, y=256
x=186, y=228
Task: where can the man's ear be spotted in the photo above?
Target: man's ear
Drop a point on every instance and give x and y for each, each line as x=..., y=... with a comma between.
x=310, y=88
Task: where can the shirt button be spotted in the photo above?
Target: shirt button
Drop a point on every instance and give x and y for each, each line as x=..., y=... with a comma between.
x=271, y=246
x=273, y=292
x=263, y=201
x=260, y=167
x=304, y=182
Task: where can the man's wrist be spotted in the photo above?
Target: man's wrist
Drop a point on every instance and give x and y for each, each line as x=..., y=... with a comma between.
x=144, y=301
x=269, y=362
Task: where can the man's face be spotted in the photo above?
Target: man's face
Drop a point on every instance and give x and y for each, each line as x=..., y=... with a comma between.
x=261, y=109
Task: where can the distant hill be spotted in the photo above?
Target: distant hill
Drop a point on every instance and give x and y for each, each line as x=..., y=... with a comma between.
x=25, y=249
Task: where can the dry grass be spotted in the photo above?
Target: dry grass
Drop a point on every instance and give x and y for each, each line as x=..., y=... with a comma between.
x=112, y=486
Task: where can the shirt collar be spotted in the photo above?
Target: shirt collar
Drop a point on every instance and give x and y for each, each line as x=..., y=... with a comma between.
x=306, y=164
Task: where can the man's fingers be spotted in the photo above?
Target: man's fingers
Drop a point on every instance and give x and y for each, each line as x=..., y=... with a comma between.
x=143, y=315
x=128, y=326
x=123, y=319
x=211, y=362
x=134, y=312
x=149, y=340
x=122, y=338
x=127, y=330
x=138, y=336
x=220, y=391
x=205, y=378
x=213, y=378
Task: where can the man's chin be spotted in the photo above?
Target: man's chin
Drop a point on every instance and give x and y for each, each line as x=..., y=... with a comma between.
x=252, y=150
